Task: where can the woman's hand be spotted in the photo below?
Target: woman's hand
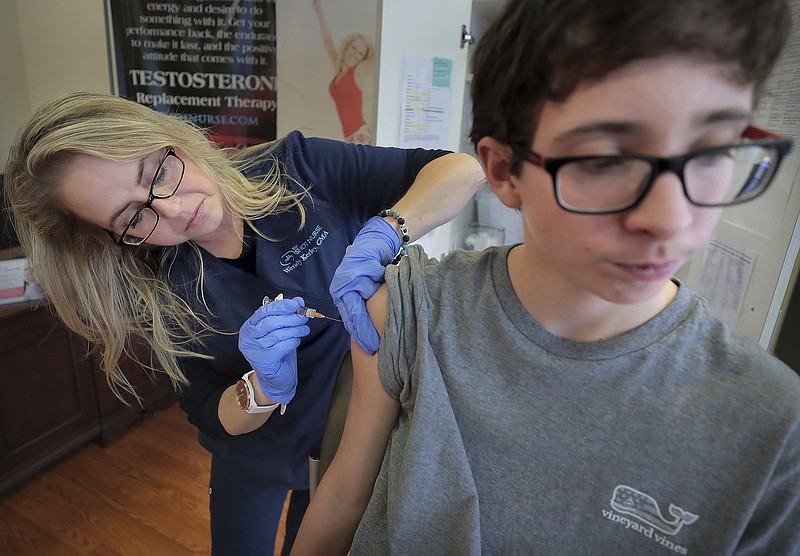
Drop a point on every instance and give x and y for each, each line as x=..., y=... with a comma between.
x=359, y=276
x=269, y=341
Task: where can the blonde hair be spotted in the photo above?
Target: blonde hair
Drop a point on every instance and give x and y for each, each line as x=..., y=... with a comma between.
x=116, y=295
x=346, y=42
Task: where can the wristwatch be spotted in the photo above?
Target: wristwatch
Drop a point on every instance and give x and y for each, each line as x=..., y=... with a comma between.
x=246, y=398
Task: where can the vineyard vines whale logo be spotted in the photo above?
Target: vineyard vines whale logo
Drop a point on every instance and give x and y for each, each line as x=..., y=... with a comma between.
x=629, y=501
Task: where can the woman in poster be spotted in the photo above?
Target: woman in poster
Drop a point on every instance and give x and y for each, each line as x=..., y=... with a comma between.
x=354, y=63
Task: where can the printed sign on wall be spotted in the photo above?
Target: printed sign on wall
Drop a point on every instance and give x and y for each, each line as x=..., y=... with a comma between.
x=210, y=62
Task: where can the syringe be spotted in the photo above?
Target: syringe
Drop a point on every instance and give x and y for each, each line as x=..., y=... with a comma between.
x=304, y=311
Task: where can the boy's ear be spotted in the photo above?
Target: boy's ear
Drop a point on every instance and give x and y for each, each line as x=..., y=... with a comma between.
x=496, y=159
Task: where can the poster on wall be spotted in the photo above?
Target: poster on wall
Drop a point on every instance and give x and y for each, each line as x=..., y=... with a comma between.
x=211, y=62
x=327, y=68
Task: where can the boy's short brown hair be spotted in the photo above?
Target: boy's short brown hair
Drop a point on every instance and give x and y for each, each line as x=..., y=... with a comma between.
x=540, y=50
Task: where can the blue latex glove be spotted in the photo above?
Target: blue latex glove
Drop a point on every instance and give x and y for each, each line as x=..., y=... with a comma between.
x=359, y=276
x=269, y=341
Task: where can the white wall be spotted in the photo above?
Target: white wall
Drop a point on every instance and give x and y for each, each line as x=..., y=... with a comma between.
x=63, y=47
x=49, y=48
x=14, y=96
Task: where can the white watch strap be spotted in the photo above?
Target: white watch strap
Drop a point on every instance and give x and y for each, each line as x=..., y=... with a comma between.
x=254, y=407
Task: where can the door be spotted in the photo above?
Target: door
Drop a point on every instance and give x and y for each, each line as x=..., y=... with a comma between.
x=423, y=28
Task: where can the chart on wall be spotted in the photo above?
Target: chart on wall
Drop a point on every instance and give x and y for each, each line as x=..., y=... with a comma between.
x=211, y=62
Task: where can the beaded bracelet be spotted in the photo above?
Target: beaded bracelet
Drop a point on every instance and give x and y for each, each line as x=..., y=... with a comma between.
x=401, y=222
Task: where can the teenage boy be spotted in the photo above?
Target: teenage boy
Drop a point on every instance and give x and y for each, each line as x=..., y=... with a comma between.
x=568, y=395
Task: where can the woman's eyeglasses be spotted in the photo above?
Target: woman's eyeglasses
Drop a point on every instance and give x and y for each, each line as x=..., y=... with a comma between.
x=165, y=183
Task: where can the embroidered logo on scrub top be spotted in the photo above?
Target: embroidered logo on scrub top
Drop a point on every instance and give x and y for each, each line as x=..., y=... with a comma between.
x=300, y=252
x=647, y=517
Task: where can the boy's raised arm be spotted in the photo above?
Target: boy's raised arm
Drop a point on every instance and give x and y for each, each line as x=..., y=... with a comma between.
x=341, y=498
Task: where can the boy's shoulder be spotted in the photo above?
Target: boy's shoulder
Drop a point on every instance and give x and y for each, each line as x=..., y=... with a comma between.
x=458, y=272
x=456, y=261
x=734, y=357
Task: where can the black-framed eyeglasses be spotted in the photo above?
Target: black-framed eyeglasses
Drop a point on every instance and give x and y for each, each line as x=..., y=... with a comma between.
x=715, y=177
x=165, y=183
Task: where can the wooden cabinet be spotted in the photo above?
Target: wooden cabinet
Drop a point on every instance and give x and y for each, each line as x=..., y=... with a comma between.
x=47, y=402
x=53, y=397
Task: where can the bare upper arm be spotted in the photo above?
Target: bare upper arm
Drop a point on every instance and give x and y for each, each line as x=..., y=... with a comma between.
x=371, y=416
x=369, y=402
x=346, y=486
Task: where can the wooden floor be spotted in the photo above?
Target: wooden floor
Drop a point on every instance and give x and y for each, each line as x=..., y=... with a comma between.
x=145, y=495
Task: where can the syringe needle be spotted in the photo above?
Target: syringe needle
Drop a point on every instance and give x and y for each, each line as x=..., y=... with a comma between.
x=305, y=311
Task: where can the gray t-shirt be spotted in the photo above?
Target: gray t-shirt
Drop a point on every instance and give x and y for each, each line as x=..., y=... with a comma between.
x=678, y=437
